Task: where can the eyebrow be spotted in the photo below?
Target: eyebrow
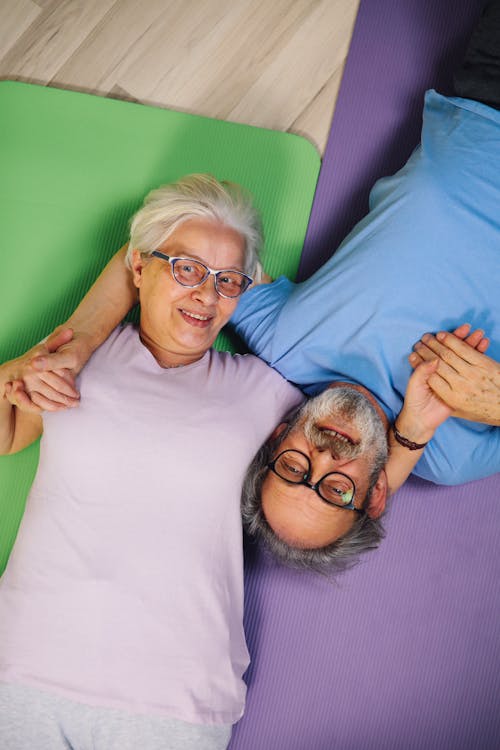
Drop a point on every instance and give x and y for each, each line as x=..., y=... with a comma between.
x=190, y=255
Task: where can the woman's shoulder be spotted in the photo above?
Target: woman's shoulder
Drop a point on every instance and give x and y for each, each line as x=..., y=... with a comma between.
x=253, y=373
x=116, y=348
x=240, y=362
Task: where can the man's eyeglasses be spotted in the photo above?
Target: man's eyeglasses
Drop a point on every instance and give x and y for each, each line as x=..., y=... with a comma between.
x=192, y=273
x=335, y=488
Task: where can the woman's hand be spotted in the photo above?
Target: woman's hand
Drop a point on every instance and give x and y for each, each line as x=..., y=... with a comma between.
x=423, y=409
x=465, y=378
x=41, y=379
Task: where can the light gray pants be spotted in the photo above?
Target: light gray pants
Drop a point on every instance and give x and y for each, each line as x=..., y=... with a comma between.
x=32, y=719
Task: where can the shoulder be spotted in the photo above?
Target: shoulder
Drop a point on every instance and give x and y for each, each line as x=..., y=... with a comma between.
x=263, y=299
x=245, y=365
x=117, y=350
x=253, y=373
x=123, y=337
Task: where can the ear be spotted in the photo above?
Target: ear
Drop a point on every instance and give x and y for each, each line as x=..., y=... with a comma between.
x=376, y=505
x=137, y=262
x=278, y=430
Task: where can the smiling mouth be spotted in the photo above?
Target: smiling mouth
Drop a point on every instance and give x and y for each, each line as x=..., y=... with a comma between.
x=196, y=319
x=344, y=437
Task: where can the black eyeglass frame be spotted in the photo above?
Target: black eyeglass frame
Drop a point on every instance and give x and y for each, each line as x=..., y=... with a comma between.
x=316, y=487
x=247, y=280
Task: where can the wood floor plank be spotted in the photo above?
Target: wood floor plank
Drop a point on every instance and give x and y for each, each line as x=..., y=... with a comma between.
x=15, y=17
x=166, y=51
x=315, y=121
x=96, y=64
x=212, y=75
x=59, y=29
x=294, y=77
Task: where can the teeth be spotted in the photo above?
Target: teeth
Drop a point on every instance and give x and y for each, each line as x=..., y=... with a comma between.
x=343, y=438
x=197, y=317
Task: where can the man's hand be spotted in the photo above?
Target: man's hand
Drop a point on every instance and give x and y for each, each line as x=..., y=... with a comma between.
x=465, y=378
x=423, y=411
x=41, y=378
x=66, y=350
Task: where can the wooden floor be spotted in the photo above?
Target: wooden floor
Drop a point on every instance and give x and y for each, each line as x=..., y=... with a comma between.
x=271, y=63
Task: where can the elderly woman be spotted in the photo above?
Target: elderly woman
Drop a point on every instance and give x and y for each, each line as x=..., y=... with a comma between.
x=121, y=607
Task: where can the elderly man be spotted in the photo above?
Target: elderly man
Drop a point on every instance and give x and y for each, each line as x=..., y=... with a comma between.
x=424, y=257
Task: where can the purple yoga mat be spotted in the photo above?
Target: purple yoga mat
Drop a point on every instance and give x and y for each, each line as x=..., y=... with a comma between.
x=403, y=651
x=399, y=49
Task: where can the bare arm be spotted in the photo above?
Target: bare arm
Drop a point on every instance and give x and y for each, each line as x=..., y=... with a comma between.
x=100, y=311
x=103, y=307
x=20, y=419
x=421, y=415
x=423, y=409
x=18, y=429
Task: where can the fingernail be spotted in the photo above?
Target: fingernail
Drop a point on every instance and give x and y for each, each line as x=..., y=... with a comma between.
x=413, y=357
x=38, y=363
x=426, y=337
x=440, y=336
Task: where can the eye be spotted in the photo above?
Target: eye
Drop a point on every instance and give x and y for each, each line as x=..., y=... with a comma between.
x=230, y=282
x=293, y=469
x=337, y=491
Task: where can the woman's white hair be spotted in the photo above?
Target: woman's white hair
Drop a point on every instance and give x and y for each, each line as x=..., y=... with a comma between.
x=193, y=197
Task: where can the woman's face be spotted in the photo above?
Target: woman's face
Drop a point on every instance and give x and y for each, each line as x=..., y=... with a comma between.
x=179, y=324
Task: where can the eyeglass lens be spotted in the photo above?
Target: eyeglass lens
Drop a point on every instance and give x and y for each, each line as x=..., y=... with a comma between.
x=193, y=273
x=294, y=467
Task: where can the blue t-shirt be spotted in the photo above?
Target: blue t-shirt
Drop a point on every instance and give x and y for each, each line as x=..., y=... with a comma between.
x=425, y=258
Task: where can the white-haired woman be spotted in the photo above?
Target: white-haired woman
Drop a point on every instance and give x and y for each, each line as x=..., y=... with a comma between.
x=121, y=606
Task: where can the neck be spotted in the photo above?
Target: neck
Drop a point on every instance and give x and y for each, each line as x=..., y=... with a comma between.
x=166, y=357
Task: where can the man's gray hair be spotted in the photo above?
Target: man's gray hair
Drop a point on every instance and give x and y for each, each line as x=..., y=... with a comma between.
x=196, y=196
x=366, y=533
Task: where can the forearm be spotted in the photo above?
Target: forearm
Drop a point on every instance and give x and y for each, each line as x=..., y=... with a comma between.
x=106, y=303
x=17, y=429
x=7, y=417
x=402, y=460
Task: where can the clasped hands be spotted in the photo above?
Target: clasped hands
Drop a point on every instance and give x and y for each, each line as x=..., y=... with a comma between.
x=43, y=379
x=453, y=366
x=464, y=378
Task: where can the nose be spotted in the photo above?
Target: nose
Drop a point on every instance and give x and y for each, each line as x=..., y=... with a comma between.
x=206, y=292
x=324, y=461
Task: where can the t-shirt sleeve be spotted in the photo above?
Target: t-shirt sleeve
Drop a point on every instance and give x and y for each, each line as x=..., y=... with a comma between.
x=460, y=452
x=278, y=395
x=256, y=316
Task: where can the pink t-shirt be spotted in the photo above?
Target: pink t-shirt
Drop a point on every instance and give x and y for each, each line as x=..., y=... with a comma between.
x=125, y=585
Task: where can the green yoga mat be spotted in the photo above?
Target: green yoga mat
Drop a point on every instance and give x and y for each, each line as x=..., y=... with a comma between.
x=73, y=169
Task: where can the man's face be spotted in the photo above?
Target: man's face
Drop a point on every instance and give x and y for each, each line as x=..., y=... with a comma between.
x=338, y=431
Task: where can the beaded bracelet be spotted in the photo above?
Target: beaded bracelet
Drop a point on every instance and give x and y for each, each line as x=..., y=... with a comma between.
x=405, y=442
